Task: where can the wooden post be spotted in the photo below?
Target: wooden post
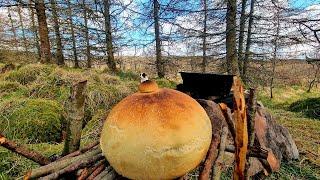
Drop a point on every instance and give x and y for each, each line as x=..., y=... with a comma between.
x=241, y=140
x=74, y=115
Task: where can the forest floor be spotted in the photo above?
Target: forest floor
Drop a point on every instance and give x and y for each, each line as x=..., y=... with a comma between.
x=32, y=87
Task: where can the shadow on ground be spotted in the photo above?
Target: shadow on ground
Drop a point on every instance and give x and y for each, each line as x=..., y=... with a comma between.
x=309, y=107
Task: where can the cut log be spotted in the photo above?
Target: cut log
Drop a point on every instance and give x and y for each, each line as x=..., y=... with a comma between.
x=240, y=118
x=23, y=151
x=74, y=116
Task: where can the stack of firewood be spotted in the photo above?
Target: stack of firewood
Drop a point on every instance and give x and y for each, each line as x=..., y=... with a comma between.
x=247, y=131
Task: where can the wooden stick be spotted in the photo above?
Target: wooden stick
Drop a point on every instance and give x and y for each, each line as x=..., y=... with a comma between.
x=96, y=172
x=219, y=162
x=73, y=167
x=257, y=152
x=23, y=151
x=240, y=117
x=57, y=165
x=210, y=158
x=84, y=149
x=252, y=108
x=228, y=117
x=107, y=174
x=87, y=171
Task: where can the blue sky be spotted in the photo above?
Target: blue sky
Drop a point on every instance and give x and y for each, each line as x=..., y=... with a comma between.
x=302, y=3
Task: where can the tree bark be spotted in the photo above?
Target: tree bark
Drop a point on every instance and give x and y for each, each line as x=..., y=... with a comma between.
x=159, y=60
x=247, y=53
x=43, y=32
x=232, y=60
x=74, y=46
x=204, y=38
x=59, y=53
x=21, y=150
x=34, y=31
x=107, y=23
x=86, y=34
x=241, y=34
x=74, y=116
x=22, y=29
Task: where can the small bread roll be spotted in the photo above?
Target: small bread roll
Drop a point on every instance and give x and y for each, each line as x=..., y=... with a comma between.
x=156, y=134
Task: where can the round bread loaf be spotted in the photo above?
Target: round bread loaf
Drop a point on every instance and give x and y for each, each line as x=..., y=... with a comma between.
x=156, y=134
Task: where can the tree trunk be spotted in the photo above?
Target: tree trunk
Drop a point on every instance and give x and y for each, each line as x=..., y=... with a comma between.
x=86, y=31
x=241, y=34
x=275, y=50
x=43, y=32
x=159, y=61
x=13, y=29
x=107, y=23
x=74, y=116
x=74, y=47
x=59, y=53
x=247, y=53
x=204, y=36
x=34, y=31
x=22, y=29
x=232, y=60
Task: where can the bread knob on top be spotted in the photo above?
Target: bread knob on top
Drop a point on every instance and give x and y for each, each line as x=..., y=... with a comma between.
x=156, y=133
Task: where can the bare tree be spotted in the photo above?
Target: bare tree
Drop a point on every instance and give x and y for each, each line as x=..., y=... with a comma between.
x=22, y=29
x=275, y=50
x=232, y=60
x=86, y=33
x=59, y=53
x=204, y=38
x=241, y=34
x=159, y=60
x=248, y=44
x=43, y=32
x=34, y=30
x=13, y=29
x=73, y=38
x=107, y=23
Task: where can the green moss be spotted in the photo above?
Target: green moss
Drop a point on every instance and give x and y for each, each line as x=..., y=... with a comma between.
x=13, y=166
x=29, y=73
x=128, y=75
x=164, y=83
x=93, y=128
x=35, y=120
x=12, y=89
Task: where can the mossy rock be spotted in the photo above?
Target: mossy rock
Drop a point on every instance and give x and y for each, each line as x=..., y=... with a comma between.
x=34, y=120
x=29, y=73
